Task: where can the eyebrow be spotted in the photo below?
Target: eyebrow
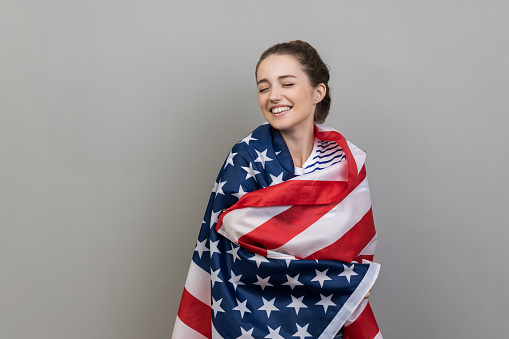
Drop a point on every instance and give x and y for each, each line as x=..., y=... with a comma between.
x=279, y=78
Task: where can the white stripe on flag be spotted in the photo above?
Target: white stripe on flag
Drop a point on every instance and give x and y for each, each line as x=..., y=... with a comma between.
x=240, y=221
x=357, y=312
x=370, y=248
x=332, y=226
x=336, y=172
x=358, y=155
x=279, y=255
x=181, y=330
x=198, y=283
x=355, y=302
x=324, y=128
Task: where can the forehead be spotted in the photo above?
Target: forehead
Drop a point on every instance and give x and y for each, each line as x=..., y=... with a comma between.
x=277, y=65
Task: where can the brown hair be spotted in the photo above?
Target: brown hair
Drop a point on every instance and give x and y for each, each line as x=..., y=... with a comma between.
x=316, y=70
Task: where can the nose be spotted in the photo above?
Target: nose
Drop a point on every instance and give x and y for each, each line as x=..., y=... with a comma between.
x=275, y=94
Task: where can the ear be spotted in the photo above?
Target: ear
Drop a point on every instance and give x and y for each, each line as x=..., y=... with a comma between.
x=320, y=92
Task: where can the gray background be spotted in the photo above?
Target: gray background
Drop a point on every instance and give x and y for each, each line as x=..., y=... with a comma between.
x=116, y=117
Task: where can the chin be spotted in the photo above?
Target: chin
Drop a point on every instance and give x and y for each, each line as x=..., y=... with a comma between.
x=279, y=125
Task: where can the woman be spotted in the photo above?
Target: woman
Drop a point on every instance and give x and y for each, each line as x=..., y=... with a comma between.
x=289, y=224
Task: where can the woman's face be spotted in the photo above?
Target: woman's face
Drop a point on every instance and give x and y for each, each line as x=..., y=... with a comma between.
x=287, y=98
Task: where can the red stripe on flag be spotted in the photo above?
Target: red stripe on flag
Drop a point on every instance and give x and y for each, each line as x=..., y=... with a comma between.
x=195, y=314
x=289, y=223
x=295, y=192
x=284, y=226
x=303, y=192
x=255, y=248
x=348, y=247
x=366, y=257
x=364, y=327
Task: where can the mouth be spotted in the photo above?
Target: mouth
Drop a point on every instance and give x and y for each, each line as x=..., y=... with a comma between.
x=280, y=110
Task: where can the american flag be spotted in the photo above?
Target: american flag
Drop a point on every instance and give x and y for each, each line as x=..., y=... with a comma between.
x=280, y=256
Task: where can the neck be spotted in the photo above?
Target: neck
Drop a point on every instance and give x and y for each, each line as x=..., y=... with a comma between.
x=300, y=145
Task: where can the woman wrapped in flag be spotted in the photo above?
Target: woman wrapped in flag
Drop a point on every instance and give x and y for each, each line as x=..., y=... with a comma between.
x=286, y=246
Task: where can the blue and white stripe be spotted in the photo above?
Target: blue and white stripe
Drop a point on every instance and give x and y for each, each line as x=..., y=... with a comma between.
x=324, y=154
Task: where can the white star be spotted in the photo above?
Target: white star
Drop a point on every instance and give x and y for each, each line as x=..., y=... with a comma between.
x=288, y=261
x=297, y=304
x=262, y=157
x=229, y=161
x=274, y=334
x=348, y=272
x=246, y=334
x=292, y=282
x=214, y=277
x=201, y=247
x=214, y=217
x=278, y=152
x=247, y=139
x=259, y=259
x=263, y=282
x=320, y=276
x=240, y=193
x=216, y=306
x=234, y=252
x=235, y=280
x=219, y=187
x=242, y=308
x=213, y=247
x=326, y=302
x=250, y=171
x=302, y=332
x=268, y=306
x=276, y=180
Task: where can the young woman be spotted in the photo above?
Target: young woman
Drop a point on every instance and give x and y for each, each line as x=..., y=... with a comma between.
x=287, y=242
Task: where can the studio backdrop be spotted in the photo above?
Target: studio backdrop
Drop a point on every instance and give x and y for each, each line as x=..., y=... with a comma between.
x=115, y=118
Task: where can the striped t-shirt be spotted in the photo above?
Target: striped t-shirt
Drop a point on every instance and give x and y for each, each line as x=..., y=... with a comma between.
x=323, y=155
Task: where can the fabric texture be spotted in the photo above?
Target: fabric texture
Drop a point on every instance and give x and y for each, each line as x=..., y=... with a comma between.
x=281, y=256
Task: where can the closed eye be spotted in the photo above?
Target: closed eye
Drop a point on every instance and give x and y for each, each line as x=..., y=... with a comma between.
x=288, y=85
x=263, y=90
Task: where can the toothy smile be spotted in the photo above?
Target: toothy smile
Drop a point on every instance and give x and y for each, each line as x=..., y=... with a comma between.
x=280, y=109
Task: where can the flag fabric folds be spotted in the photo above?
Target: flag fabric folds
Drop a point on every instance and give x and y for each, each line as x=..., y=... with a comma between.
x=282, y=256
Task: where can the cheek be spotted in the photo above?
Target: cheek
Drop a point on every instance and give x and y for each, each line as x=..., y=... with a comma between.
x=261, y=101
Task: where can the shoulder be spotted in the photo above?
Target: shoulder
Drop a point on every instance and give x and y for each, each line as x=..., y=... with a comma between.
x=257, y=141
x=263, y=155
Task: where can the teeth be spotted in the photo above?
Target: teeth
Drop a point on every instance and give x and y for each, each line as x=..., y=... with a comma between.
x=281, y=109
